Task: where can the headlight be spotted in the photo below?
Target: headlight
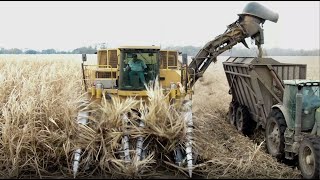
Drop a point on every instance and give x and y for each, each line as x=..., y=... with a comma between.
x=306, y=111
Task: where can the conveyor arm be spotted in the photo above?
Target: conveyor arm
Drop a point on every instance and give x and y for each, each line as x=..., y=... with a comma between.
x=248, y=25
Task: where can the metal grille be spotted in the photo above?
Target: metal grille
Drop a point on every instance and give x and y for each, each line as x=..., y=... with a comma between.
x=163, y=60
x=113, y=61
x=172, y=60
x=102, y=58
x=106, y=75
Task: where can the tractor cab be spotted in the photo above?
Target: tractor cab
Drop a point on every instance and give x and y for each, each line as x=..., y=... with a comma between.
x=310, y=91
x=138, y=66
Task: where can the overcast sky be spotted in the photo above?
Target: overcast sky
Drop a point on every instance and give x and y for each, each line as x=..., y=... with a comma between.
x=68, y=25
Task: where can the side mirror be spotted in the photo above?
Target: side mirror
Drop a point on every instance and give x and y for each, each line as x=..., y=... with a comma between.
x=84, y=57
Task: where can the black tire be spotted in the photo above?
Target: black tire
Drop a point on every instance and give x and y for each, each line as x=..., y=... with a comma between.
x=108, y=97
x=243, y=121
x=274, y=134
x=232, y=112
x=309, y=157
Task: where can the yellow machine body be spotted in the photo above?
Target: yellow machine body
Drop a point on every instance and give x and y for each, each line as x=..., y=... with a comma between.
x=107, y=72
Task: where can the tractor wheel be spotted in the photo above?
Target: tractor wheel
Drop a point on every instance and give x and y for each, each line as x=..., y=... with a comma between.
x=232, y=112
x=309, y=157
x=243, y=122
x=275, y=128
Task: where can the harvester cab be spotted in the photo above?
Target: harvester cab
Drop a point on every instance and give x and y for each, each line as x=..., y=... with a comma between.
x=137, y=67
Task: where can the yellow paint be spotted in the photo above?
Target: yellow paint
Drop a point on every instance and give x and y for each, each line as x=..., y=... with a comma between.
x=170, y=75
x=178, y=92
x=173, y=93
x=111, y=91
x=102, y=57
x=139, y=47
x=132, y=93
x=93, y=90
x=98, y=93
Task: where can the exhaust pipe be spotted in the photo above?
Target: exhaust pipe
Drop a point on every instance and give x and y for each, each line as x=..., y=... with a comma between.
x=297, y=125
x=318, y=121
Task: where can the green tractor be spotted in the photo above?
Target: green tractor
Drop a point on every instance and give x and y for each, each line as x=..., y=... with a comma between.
x=293, y=126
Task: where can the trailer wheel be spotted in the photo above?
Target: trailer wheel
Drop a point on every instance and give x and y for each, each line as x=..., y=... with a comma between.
x=232, y=112
x=275, y=128
x=309, y=155
x=244, y=123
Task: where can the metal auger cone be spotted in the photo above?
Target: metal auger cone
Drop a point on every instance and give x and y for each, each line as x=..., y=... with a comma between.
x=140, y=140
x=125, y=141
x=188, y=119
x=76, y=160
x=178, y=156
x=82, y=119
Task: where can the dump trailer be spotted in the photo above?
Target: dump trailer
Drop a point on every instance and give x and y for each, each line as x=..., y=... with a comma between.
x=277, y=97
x=256, y=84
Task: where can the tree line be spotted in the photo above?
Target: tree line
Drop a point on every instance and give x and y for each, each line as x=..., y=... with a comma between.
x=81, y=50
x=190, y=50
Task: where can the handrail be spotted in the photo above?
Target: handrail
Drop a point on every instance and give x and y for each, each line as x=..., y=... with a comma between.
x=100, y=68
x=171, y=67
x=103, y=66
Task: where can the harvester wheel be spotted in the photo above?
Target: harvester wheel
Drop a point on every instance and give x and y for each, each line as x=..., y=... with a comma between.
x=243, y=122
x=275, y=128
x=232, y=112
x=309, y=157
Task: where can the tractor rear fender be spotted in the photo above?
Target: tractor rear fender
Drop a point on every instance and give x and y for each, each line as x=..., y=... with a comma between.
x=285, y=113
